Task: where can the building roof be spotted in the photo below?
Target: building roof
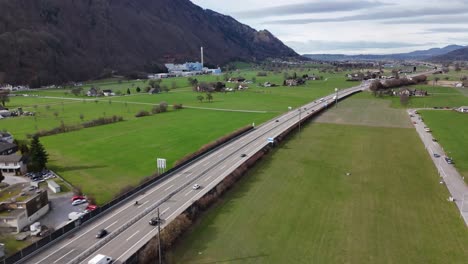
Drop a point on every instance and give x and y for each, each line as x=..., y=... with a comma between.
x=6, y=146
x=11, y=158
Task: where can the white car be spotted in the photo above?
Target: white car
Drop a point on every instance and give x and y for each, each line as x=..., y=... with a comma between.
x=196, y=187
x=79, y=201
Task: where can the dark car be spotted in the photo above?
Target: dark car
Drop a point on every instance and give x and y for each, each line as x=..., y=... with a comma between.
x=435, y=140
x=449, y=160
x=436, y=155
x=102, y=233
x=154, y=221
x=277, y=120
x=243, y=155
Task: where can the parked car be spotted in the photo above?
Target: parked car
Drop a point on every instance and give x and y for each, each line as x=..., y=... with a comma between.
x=196, y=186
x=78, y=202
x=91, y=207
x=102, y=233
x=78, y=197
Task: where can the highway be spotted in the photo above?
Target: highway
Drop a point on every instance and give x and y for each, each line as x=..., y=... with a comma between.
x=127, y=223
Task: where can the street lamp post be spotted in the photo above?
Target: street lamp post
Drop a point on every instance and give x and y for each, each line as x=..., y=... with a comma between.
x=336, y=97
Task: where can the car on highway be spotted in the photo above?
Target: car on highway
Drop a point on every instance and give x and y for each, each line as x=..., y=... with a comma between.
x=427, y=129
x=436, y=155
x=243, y=155
x=102, y=233
x=277, y=120
x=434, y=140
x=414, y=122
x=78, y=202
x=154, y=221
x=449, y=160
x=196, y=186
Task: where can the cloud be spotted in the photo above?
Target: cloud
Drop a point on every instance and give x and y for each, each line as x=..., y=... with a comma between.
x=446, y=30
x=313, y=45
x=444, y=19
x=309, y=8
x=395, y=15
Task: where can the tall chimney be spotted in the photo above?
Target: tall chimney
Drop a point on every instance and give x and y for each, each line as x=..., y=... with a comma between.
x=201, y=49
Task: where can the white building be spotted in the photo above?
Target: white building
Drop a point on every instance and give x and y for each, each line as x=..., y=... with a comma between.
x=12, y=165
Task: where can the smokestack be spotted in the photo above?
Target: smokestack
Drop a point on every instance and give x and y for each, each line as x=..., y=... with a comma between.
x=201, y=49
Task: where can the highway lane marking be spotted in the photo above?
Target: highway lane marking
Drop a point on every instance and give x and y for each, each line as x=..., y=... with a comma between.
x=190, y=174
x=64, y=256
x=188, y=192
x=103, y=221
x=169, y=187
x=142, y=204
x=165, y=210
x=111, y=224
x=133, y=235
x=149, y=233
x=207, y=179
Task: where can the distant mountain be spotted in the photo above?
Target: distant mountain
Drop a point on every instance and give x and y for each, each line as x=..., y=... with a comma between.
x=52, y=41
x=415, y=55
x=456, y=55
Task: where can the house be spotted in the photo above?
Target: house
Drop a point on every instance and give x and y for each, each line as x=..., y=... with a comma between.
x=242, y=87
x=420, y=93
x=23, y=209
x=462, y=109
x=459, y=85
x=5, y=113
x=267, y=84
x=6, y=137
x=293, y=82
x=92, y=92
x=7, y=148
x=405, y=91
x=108, y=93
x=12, y=165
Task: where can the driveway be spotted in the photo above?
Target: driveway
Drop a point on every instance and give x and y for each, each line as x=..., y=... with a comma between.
x=61, y=206
x=15, y=179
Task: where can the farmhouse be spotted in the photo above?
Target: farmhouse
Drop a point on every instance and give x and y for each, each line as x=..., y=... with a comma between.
x=108, y=93
x=6, y=137
x=462, y=109
x=7, y=148
x=92, y=92
x=12, y=165
x=293, y=82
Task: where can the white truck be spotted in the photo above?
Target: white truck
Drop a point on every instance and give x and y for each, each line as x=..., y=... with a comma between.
x=100, y=259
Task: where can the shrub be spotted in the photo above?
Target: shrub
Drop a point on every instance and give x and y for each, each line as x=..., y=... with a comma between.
x=142, y=113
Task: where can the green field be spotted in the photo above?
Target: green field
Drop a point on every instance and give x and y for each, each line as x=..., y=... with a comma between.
x=438, y=97
x=299, y=206
x=451, y=130
x=104, y=159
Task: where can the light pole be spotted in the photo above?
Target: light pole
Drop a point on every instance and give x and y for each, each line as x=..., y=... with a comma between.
x=336, y=97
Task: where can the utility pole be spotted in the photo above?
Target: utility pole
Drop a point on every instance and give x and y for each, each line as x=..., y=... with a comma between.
x=159, y=238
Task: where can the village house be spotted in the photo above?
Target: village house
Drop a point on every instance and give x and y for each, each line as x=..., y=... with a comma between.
x=108, y=92
x=293, y=82
x=6, y=137
x=12, y=165
x=462, y=109
x=7, y=148
x=92, y=92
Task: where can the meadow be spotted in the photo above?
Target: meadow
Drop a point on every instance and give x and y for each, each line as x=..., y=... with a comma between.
x=300, y=205
x=451, y=130
x=102, y=160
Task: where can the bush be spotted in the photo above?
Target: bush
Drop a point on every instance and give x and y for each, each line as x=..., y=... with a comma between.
x=142, y=113
x=177, y=106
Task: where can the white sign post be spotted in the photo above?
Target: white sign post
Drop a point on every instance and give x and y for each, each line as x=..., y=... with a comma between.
x=161, y=163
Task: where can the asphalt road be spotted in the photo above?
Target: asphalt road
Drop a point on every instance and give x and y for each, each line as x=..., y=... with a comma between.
x=448, y=173
x=128, y=223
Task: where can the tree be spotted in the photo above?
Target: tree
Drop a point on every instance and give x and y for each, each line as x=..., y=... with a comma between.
x=38, y=155
x=138, y=89
x=165, y=88
x=128, y=90
x=173, y=85
x=209, y=97
x=76, y=90
x=436, y=80
x=4, y=96
x=81, y=117
x=200, y=98
x=56, y=114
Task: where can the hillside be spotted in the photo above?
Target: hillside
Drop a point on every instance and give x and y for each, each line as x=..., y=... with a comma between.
x=456, y=55
x=52, y=41
x=414, y=55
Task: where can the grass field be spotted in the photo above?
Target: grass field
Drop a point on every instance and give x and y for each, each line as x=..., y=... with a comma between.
x=451, y=129
x=439, y=97
x=104, y=159
x=299, y=206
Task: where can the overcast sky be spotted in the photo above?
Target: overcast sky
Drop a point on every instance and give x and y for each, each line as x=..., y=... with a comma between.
x=353, y=27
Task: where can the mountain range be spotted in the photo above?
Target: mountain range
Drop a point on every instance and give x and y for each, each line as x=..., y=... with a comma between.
x=456, y=55
x=54, y=41
x=415, y=55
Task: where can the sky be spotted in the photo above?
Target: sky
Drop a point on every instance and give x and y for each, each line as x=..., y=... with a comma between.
x=353, y=27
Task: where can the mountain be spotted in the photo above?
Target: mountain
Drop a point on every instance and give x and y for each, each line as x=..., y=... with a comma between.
x=415, y=55
x=456, y=55
x=52, y=41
